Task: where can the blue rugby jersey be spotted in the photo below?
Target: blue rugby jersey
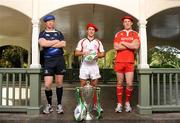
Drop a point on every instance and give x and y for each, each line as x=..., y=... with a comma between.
x=52, y=35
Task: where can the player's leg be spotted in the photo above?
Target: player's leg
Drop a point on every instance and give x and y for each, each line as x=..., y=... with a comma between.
x=59, y=92
x=95, y=75
x=48, y=79
x=119, y=91
x=119, y=68
x=60, y=71
x=129, y=85
x=48, y=92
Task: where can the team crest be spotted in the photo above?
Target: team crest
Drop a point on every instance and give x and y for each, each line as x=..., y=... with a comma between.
x=46, y=71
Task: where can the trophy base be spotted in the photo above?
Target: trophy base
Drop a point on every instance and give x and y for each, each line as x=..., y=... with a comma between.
x=89, y=117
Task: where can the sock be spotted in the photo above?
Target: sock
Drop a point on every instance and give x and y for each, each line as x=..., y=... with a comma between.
x=49, y=96
x=119, y=91
x=59, y=93
x=128, y=94
x=95, y=98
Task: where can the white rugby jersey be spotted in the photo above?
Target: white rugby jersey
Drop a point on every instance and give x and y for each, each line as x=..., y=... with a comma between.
x=87, y=45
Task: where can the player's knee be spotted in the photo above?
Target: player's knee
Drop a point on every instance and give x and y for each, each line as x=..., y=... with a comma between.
x=129, y=85
x=47, y=87
x=83, y=83
x=119, y=83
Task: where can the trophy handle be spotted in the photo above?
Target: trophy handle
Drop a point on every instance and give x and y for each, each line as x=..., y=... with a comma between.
x=78, y=96
x=98, y=103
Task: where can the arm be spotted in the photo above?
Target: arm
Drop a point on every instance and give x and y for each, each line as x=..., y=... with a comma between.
x=119, y=46
x=46, y=43
x=134, y=45
x=60, y=44
x=100, y=54
x=80, y=53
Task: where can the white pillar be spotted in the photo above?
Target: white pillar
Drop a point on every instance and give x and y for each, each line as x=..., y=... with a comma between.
x=35, y=46
x=143, y=49
x=35, y=35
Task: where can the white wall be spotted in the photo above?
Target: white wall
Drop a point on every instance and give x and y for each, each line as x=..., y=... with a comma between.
x=123, y=5
x=132, y=7
x=23, y=6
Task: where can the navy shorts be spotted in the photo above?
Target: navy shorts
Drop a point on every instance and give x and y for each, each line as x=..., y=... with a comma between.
x=54, y=66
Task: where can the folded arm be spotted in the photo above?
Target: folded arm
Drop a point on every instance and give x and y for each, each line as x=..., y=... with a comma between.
x=59, y=44
x=47, y=43
x=51, y=43
x=81, y=53
x=134, y=45
x=119, y=46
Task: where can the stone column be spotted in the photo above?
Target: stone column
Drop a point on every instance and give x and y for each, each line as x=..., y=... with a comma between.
x=35, y=46
x=35, y=35
x=143, y=48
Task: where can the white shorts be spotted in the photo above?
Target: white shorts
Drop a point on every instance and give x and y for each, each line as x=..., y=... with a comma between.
x=89, y=72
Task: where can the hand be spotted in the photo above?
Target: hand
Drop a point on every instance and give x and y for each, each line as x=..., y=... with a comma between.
x=123, y=43
x=85, y=53
x=59, y=44
x=63, y=43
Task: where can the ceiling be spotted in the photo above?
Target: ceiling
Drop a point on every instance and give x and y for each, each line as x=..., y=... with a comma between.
x=162, y=29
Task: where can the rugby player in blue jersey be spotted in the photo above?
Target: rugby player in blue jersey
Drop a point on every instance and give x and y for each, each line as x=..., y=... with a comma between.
x=52, y=42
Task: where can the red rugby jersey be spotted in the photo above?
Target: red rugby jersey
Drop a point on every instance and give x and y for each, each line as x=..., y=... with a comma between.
x=126, y=55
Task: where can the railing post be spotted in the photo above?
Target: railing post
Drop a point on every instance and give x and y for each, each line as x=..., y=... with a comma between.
x=35, y=92
x=1, y=80
x=143, y=106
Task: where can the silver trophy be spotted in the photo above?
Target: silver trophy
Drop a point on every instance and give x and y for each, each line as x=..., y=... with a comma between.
x=84, y=97
x=87, y=97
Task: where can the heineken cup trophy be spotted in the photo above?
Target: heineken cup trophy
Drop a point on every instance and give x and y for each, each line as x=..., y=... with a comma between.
x=84, y=97
x=87, y=96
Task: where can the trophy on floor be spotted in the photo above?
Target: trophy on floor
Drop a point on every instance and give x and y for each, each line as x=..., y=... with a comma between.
x=84, y=97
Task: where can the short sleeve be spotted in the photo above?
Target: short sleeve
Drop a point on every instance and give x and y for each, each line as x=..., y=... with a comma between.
x=101, y=48
x=116, y=38
x=41, y=35
x=79, y=45
x=61, y=36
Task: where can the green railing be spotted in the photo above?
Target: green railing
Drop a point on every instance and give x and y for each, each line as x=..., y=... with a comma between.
x=159, y=90
x=20, y=90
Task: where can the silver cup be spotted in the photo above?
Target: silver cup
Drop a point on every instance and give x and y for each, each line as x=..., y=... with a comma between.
x=87, y=96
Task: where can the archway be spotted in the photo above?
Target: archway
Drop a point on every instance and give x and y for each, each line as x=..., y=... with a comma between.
x=164, y=30
x=72, y=21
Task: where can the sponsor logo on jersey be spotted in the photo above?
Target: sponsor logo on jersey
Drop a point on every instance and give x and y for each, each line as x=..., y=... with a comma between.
x=46, y=72
x=127, y=38
x=47, y=35
x=55, y=34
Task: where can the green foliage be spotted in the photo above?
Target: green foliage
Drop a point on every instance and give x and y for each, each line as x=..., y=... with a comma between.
x=13, y=57
x=164, y=57
x=107, y=62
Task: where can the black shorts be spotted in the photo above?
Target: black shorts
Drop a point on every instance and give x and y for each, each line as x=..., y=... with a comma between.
x=54, y=66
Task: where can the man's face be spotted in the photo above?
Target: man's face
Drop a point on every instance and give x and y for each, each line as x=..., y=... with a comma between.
x=50, y=24
x=127, y=23
x=90, y=31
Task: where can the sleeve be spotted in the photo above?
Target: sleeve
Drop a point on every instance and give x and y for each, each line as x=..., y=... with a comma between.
x=101, y=48
x=116, y=38
x=79, y=45
x=136, y=36
x=61, y=36
x=41, y=35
